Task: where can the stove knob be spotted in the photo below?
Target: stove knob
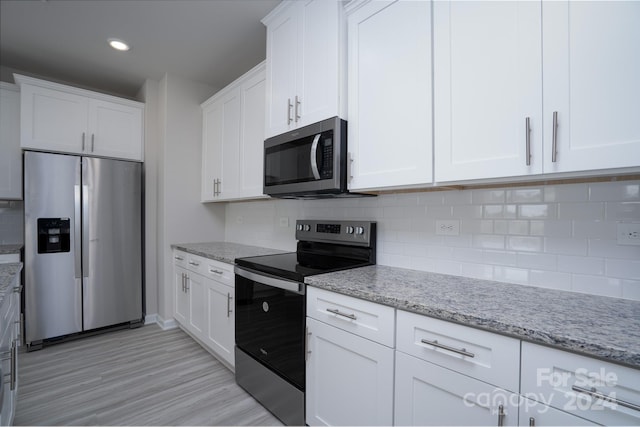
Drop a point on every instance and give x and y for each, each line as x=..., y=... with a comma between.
x=349, y=229
x=299, y=227
x=359, y=230
x=307, y=227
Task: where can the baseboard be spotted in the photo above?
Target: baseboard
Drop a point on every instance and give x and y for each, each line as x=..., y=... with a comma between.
x=160, y=321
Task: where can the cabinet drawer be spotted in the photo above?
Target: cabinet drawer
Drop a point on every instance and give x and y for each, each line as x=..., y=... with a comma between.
x=483, y=355
x=219, y=271
x=180, y=259
x=364, y=318
x=9, y=258
x=572, y=383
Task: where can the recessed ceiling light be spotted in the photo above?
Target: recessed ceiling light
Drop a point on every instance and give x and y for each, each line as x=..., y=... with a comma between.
x=118, y=44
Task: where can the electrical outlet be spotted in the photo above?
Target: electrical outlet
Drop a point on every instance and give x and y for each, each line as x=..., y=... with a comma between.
x=628, y=234
x=448, y=227
x=284, y=221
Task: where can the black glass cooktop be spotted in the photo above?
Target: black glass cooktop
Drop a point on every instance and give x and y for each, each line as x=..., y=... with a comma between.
x=296, y=266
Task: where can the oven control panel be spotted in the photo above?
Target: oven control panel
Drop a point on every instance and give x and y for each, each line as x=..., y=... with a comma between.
x=360, y=233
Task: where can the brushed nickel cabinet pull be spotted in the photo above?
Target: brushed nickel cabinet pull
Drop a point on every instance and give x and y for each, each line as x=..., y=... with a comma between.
x=93, y=138
x=554, y=140
x=339, y=313
x=194, y=263
x=216, y=271
x=289, y=108
x=500, y=415
x=179, y=258
x=527, y=130
x=307, y=352
x=228, y=304
x=532, y=422
x=83, y=137
x=435, y=343
x=297, y=111
x=595, y=394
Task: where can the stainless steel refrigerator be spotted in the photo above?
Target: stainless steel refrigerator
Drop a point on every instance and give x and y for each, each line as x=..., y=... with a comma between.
x=83, y=245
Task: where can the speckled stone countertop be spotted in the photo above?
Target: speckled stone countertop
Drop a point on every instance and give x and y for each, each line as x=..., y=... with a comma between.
x=8, y=273
x=224, y=251
x=602, y=327
x=10, y=249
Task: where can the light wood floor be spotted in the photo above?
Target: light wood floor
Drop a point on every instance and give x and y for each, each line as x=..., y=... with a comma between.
x=143, y=376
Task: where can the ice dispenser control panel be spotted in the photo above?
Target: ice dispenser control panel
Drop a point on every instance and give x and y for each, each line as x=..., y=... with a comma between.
x=54, y=235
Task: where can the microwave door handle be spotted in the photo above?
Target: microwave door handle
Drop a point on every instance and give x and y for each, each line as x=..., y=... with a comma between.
x=314, y=157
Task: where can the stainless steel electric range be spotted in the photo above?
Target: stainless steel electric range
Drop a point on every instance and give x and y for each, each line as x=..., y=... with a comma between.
x=271, y=308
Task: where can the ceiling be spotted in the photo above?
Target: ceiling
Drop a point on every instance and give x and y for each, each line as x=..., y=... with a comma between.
x=207, y=41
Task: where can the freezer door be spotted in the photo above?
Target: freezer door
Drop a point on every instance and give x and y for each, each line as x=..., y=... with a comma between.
x=112, y=242
x=53, y=280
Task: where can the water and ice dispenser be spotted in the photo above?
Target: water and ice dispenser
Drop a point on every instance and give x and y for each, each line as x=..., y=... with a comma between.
x=54, y=235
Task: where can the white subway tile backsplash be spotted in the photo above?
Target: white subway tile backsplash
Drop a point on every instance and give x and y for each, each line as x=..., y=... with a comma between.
x=556, y=236
x=614, y=192
x=565, y=246
x=596, y=285
x=585, y=265
x=525, y=243
x=623, y=268
x=550, y=279
x=625, y=211
x=480, y=197
x=581, y=211
x=525, y=195
x=543, y=211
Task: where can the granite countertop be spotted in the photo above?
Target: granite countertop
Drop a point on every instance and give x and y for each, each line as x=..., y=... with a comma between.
x=601, y=327
x=8, y=273
x=224, y=251
x=10, y=249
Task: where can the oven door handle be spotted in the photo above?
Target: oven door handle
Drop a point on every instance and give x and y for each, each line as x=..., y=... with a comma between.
x=267, y=279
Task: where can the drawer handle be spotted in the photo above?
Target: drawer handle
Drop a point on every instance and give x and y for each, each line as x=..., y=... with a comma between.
x=179, y=258
x=435, y=343
x=501, y=415
x=194, y=263
x=17, y=289
x=339, y=313
x=595, y=394
x=216, y=271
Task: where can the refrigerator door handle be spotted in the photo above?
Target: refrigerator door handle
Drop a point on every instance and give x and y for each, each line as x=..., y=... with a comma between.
x=77, y=224
x=85, y=230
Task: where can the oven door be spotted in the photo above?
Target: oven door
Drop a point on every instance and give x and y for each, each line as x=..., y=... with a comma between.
x=270, y=321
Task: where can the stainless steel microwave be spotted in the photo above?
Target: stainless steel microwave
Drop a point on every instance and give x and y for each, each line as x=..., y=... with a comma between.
x=309, y=162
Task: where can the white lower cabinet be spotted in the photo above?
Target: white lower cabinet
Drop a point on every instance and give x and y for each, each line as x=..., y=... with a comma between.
x=10, y=330
x=534, y=413
x=427, y=394
x=349, y=378
x=204, y=292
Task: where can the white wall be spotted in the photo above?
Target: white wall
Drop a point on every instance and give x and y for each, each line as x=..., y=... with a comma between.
x=11, y=222
x=554, y=236
x=181, y=216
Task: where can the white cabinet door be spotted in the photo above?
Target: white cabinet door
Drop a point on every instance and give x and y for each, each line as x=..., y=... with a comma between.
x=426, y=394
x=10, y=154
x=390, y=93
x=349, y=378
x=115, y=130
x=282, y=51
x=181, y=312
x=252, y=137
x=591, y=81
x=230, y=155
x=318, y=68
x=304, y=67
x=212, y=115
x=538, y=414
x=51, y=120
x=221, y=322
x=487, y=82
x=198, y=308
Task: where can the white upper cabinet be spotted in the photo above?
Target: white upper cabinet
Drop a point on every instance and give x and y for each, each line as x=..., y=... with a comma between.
x=232, y=140
x=487, y=83
x=591, y=79
x=305, y=69
x=498, y=64
x=390, y=94
x=64, y=119
x=10, y=154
